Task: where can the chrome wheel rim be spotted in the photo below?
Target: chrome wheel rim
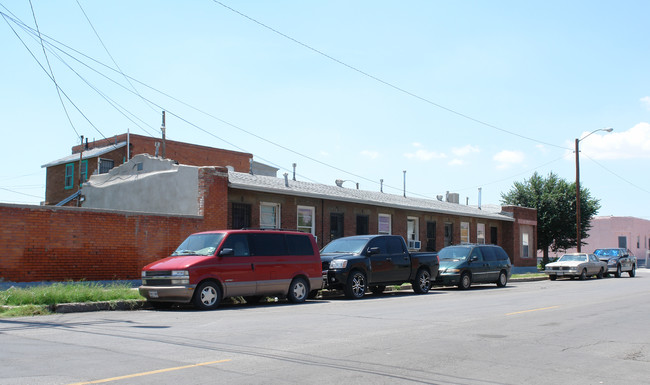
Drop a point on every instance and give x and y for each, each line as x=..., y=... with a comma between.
x=358, y=285
x=425, y=280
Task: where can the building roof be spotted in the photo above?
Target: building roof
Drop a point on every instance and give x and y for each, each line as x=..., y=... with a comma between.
x=87, y=154
x=315, y=190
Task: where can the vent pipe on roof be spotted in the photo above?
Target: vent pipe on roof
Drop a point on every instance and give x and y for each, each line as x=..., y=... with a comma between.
x=404, y=183
x=163, y=134
x=294, y=171
x=381, y=185
x=286, y=179
x=250, y=166
x=479, y=197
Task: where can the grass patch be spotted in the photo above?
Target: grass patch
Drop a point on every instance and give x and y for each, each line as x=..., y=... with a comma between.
x=24, y=311
x=529, y=275
x=67, y=292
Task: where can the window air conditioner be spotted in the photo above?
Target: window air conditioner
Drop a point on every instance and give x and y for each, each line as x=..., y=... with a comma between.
x=414, y=245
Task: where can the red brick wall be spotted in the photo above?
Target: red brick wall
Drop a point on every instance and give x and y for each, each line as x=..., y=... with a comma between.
x=41, y=243
x=512, y=242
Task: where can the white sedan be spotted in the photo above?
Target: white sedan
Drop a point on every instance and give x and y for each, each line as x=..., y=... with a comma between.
x=576, y=265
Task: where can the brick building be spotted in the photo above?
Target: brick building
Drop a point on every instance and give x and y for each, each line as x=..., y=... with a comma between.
x=98, y=157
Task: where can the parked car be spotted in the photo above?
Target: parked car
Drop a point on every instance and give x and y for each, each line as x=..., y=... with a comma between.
x=573, y=265
x=462, y=265
x=357, y=263
x=210, y=266
x=618, y=260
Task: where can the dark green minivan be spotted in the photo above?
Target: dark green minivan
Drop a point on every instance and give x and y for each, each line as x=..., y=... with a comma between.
x=463, y=265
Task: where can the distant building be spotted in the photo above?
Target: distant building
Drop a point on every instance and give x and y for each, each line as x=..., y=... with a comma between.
x=613, y=232
x=65, y=175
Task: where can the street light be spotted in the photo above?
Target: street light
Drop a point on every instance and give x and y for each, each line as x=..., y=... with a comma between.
x=578, y=183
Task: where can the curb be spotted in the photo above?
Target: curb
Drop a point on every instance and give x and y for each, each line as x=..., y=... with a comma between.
x=98, y=306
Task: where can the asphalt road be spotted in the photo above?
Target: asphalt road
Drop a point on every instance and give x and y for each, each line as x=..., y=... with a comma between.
x=568, y=332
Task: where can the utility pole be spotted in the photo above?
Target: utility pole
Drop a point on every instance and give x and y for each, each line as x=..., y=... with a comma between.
x=163, y=134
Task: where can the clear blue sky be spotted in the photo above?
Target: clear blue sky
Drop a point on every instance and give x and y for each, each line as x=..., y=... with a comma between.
x=461, y=95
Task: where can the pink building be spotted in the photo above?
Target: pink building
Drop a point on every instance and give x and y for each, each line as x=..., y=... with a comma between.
x=626, y=232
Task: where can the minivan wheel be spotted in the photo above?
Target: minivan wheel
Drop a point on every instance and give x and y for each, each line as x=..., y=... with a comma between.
x=207, y=296
x=355, y=287
x=633, y=271
x=503, y=279
x=465, y=281
x=298, y=291
x=422, y=282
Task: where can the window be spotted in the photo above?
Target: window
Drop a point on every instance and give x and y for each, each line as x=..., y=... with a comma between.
x=299, y=245
x=395, y=245
x=268, y=244
x=336, y=225
x=238, y=243
x=413, y=228
x=241, y=215
x=525, y=252
x=84, y=170
x=480, y=233
x=269, y=215
x=622, y=242
x=489, y=253
x=464, y=232
x=363, y=225
x=69, y=176
x=105, y=165
x=381, y=243
x=306, y=219
x=384, y=224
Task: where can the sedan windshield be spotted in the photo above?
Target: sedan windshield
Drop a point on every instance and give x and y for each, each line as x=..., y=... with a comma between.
x=573, y=257
x=199, y=244
x=345, y=245
x=456, y=253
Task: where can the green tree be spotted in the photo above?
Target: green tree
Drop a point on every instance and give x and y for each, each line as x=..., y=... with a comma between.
x=555, y=200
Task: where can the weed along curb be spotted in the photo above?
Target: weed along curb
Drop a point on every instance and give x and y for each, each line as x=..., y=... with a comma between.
x=97, y=306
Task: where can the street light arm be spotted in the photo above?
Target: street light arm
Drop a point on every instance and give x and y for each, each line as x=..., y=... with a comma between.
x=609, y=129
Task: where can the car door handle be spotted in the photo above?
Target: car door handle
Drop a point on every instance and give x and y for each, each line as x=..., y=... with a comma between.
x=253, y=266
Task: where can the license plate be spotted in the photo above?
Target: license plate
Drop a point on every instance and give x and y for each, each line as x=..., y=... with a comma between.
x=153, y=293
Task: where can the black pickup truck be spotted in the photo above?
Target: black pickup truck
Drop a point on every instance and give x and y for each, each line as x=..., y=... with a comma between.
x=357, y=263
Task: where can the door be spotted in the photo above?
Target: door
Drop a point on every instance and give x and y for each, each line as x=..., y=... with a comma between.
x=449, y=234
x=336, y=226
x=270, y=263
x=236, y=268
x=478, y=266
x=431, y=236
x=391, y=263
x=493, y=265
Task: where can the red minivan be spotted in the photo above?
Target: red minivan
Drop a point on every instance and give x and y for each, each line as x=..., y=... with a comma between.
x=212, y=265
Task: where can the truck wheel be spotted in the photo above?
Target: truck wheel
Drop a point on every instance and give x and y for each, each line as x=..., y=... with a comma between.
x=422, y=282
x=633, y=271
x=465, y=281
x=503, y=279
x=355, y=287
x=207, y=296
x=298, y=290
x=377, y=289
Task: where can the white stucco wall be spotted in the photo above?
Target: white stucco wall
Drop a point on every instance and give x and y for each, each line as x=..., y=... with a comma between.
x=159, y=187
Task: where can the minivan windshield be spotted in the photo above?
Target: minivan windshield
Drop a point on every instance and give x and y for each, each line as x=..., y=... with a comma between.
x=454, y=253
x=199, y=244
x=345, y=245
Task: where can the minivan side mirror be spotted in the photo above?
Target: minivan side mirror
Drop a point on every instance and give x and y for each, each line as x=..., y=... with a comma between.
x=473, y=258
x=372, y=250
x=226, y=251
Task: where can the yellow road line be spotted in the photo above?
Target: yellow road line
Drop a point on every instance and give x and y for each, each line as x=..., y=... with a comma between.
x=528, y=311
x=148, y=373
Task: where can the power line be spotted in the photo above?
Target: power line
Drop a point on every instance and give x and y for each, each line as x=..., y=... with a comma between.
x=616, y=175
x=384, y=82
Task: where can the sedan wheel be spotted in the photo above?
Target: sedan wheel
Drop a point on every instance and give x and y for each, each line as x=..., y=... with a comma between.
x=633, y=271
x=600, y=274
x=552, y=277
x=618, y=271
x=583, y=275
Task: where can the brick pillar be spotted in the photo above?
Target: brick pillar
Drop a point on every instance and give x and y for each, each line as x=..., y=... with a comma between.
x=213, y=197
